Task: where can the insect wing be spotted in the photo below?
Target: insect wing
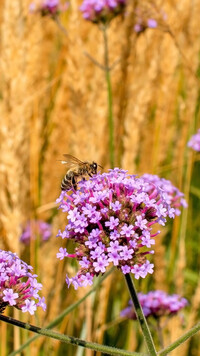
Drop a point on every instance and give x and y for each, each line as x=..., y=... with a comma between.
x=71, y=160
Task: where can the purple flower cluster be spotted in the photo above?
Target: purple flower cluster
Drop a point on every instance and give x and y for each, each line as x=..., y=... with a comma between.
x=102, y=10
x=36, y=228
x=172, y=197
x=156, y=304
x=148, y=18
x=194, y=142
x=142, y=24
x=110, y=218
x=18, y=287
x=48, y=7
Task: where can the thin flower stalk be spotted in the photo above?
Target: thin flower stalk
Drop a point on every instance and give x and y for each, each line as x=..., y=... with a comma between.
x=102, y=12
x=109, y=96
x=180, y=340
x=140, y=316
x=65, y=312
x=69, y=339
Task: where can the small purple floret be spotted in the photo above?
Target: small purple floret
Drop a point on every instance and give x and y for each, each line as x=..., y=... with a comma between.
x=152, y=23
x=10, y=296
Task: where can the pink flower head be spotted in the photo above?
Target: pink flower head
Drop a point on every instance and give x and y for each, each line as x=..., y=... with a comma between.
x=146, y=17
x=102, y=10
x=110, y=219
x=194, y=142
x=48, y=7
x=18, y=287
x=156, y=304
x=172, y=198
x=34, y=229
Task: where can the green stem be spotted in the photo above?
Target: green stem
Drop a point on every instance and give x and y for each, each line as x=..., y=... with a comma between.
x=140, y=316
x=180, y=340
x=60, y=26
x=159, y=333
x=68, y=339
x=109, y=92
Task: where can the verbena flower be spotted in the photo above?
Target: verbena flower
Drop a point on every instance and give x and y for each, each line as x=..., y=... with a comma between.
x=110, y=217
x=142, y=24
x=194, y=142
x=148, y=18
x=102, y=10
x=156, y=304
x=172, y=197
x=36, y=228
x=48, y=7
x=18, y=287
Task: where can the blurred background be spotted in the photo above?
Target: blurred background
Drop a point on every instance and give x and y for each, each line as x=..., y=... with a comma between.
x=53, y=100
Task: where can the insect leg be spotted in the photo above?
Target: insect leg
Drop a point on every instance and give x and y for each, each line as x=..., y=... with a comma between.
x=73, y=182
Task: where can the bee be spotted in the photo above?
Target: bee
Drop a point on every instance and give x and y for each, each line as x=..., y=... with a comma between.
x=77, y=169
